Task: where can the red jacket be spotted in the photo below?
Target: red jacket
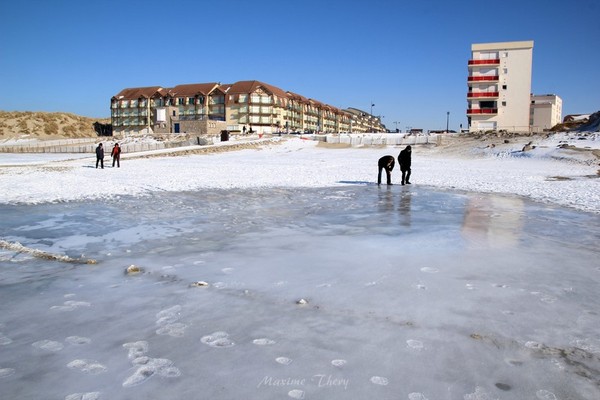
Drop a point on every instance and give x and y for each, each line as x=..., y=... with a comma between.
x=115, y=151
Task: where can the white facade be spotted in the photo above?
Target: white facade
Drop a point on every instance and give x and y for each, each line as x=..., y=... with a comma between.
x=546, y=112
x=500, y=86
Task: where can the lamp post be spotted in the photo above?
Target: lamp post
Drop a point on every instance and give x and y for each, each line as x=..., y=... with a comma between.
x=447, y=120
x=396, y=124
x=371, y=116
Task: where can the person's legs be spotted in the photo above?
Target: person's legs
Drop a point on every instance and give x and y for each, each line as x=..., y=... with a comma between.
x=119, y=161
x=97, y=161
x=408, y=176
x=403, y=175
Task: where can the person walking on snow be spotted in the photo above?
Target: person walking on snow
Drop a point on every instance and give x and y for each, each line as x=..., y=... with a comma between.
x=100, y=156
x=116, y=155
x=404, y=160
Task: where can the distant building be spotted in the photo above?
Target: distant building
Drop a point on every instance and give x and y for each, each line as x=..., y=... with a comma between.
x=546, y=112
x=209, y=108
x=499, y=84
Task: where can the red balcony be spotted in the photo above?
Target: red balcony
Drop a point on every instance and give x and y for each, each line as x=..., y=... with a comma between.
x=482, y=111
x=472, y=95
x=494, y=61
x=491, y=78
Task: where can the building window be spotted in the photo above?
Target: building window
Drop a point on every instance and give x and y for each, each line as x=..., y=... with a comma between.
x=505, y=54
x=503, y=87
x=503, y=104
x=505, y=71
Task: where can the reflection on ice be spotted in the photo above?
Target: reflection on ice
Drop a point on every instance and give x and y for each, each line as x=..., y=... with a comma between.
x=410, y=293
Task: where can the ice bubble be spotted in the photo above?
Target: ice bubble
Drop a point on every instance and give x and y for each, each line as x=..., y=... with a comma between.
x=470, y=286
x=88, y=366
x=499, y=285
x=338, y=363
x=379, y=380
x=176, y=330
x=417, y=396
x=48, y=345
x=4, y=340
x=284, y=360
x=263, y=341
x=296, y=394
x=302, y=302
x=227, y=271
x=415, y=344
x=217, y=339
x=139, y=376
x=83, y=396
x=534, y=345
x=219, y=285
x=143, y=360
x=548, y=299
x=198, y=262
x=169, y=315
x=199, y=284
x=479, y=394
x=421, y=287
x=153, y=366
x=70, y=305
x=430, y=270
x=77, y=340
x=136, y=349
x=545, y=395
x=4, y=372
x=69, y=295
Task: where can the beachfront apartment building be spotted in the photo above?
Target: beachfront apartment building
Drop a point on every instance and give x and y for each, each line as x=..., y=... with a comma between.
x=499, y=83
x=545, y=112
x=209, y=108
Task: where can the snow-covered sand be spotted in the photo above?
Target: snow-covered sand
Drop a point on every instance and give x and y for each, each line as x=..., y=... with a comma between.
x=565, y=177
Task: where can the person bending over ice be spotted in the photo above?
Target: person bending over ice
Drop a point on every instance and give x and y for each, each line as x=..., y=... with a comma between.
x=387, y=163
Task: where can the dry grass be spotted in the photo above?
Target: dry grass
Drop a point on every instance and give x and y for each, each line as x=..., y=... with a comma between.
x=43, y=125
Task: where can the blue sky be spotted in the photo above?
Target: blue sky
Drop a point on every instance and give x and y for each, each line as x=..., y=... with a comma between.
x=408, y=58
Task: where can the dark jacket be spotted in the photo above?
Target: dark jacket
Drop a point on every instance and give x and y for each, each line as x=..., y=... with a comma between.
x=404, y=158
x=99, y=152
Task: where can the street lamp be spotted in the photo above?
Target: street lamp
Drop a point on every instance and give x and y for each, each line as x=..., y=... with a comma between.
x=447, y=120
x=371, y=117
x=396, y=123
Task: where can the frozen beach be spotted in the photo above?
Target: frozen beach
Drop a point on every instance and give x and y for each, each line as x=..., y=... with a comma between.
x=478, y=281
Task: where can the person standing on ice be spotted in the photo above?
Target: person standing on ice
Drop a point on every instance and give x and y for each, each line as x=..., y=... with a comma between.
x=387, y=163
x=116, y=155
x=100, y=156
x=404, y=159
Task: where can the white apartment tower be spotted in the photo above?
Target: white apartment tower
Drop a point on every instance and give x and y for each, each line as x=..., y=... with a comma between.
x=546, y=111
x=499, y=83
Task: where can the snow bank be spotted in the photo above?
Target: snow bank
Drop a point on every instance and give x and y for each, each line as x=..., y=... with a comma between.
x=545, y=174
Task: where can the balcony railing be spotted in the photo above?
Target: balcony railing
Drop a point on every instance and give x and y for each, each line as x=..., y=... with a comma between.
x=471, y=95
x=482, y=111
x=493, y=61
x=483, y=78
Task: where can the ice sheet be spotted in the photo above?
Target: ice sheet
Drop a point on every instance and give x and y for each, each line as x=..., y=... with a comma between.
x=410, y=293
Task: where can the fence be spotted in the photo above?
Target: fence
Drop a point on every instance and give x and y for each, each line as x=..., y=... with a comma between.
x=384, y=139
x=89, y=146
